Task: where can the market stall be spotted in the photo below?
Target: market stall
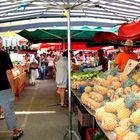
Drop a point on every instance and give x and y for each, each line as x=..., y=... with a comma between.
x=113, y=100
x=109, y=135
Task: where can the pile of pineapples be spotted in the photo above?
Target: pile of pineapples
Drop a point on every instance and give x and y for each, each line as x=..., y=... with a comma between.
x=116, y=99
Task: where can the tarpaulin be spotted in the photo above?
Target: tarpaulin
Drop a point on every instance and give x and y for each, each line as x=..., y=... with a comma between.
x=108, y=36
x=129, y=29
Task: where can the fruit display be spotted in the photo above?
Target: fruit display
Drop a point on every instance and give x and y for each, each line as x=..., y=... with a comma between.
x=83, y=79
x=115, y=99
x=16, y=72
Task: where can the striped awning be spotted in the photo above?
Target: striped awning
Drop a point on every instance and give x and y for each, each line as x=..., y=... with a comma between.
x=26, y=14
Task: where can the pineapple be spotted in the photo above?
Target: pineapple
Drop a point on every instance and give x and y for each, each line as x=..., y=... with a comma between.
x=135, y=117
x=120, y=103
x=135, y=88
x=102, y=90
x=136, y=76
x=110, y=92
x=114, y=97
x=123, y=77
x=109, y=123
x=131, y=100
x=96, y=96
x=127, y=90
x=131, y=136
x=123, y=113
x=110, y=107
x=84, y=98
x=120, y=91
x=99, y=113
x=110, y=115
x=93, y=105
x=106, y=83
x=125, y=122
x=136, y=129
x=113, y=72
x=128, y=83
x=121, y=131
x=116, y=84
x=110, y=78
x=116, y=79
x=138, y=82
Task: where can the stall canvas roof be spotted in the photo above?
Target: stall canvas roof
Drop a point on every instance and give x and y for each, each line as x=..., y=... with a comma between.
x=27, y=14
x=60, y=35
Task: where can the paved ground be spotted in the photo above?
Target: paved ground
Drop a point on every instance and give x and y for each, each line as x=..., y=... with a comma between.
x=39, y=114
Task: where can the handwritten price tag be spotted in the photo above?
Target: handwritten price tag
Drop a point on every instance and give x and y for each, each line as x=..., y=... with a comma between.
x=131, y=64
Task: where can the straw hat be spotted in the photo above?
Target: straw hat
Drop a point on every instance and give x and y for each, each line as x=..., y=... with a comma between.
x=128, y=43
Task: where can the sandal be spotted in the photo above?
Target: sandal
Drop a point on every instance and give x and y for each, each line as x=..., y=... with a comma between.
x=64, y=106
x=2, y=116
x=17, y=134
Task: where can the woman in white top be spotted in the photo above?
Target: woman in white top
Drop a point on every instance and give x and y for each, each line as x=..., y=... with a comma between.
x=62, y=77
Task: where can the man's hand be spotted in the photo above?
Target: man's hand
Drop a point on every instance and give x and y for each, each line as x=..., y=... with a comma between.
x=11, y=80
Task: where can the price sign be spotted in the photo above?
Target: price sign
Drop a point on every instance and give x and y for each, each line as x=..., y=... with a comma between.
x=131, y=64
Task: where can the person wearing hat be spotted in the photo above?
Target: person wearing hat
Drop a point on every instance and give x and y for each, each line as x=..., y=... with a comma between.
x=123, y=57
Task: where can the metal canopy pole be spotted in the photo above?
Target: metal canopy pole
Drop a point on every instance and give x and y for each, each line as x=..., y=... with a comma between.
x=69, y=78
x=70, y=132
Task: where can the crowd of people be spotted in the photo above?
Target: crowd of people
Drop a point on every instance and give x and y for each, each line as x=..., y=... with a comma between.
x=50, y=65
x=41, y=66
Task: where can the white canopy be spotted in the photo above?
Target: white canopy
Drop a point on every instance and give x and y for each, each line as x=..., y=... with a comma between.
x=25, y=14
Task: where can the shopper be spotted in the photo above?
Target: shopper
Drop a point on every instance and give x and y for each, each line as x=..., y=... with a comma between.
x=34, y=74
x=62, y=77
x=123, y=57
x=6, y=95
x=103, y=61
x=50, y=60
x=43, y=68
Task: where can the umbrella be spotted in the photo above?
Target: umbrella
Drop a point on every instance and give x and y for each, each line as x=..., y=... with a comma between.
x=109, y=38
x=129, y=29
x=60, y=35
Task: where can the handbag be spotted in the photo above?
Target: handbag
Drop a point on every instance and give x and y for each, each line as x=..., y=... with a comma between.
x=34, y=65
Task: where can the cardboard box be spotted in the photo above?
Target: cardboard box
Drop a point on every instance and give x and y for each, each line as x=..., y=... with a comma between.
x=85, y=118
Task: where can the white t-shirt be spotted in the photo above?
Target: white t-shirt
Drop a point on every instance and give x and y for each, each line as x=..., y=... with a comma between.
x=50, y=61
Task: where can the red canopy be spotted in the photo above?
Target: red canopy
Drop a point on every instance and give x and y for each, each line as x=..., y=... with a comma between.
x=109, y=36
x=22, y=41
x=129, y=29
x=60, y=46
x=82, y=46
x=51, y=46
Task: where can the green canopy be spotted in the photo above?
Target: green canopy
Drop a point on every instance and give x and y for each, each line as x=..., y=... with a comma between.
x=60, y=35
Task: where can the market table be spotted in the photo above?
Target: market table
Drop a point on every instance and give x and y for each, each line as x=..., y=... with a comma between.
x=110, y=135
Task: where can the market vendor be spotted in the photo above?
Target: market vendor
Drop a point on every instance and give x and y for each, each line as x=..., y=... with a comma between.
x=103, y=61
x=123, y=57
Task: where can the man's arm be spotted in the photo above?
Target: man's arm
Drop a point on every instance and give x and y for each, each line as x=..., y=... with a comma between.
x=11, y=80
